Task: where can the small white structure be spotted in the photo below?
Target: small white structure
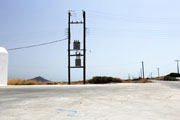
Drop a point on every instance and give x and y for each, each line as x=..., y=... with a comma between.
x=178, y=78
x=3, y=66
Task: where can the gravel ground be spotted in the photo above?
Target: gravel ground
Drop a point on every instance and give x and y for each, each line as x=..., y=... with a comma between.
x=125, y=101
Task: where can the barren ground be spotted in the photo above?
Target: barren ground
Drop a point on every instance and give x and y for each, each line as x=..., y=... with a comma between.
x=124, y=101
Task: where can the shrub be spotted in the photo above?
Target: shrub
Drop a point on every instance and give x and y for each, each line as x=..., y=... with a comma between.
x=103, y=80
x=169, y=78
x=173, y=75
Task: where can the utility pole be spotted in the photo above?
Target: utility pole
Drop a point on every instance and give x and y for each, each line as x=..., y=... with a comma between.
x=177, y=65
x=129, y=77
x=140, y=74
x=69, y=41
x=84, y=51
x=77, y=48
x=143, y=69
x=151, y=75
x=158, y=72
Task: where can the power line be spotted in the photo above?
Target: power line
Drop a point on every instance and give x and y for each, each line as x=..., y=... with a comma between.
x=41, y=44
x=111, y=15
x=19, y=38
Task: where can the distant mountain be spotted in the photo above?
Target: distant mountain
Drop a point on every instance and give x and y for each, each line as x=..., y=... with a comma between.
x=40, y=79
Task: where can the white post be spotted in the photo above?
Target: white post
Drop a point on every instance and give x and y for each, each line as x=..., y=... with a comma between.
x=3, y=66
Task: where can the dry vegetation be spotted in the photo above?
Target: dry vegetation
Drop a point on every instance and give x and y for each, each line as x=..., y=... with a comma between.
x=34, y=82
x=104, y=80
x=94, y=80
x=137, y=81
x=22, y=82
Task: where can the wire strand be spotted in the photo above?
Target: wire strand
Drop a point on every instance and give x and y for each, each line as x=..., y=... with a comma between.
x=41, y=44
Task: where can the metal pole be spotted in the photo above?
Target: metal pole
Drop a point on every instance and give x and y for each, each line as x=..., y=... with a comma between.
x=84, y=40
x=69, y=41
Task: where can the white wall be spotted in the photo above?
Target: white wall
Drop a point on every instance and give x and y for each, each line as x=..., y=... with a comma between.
x=3, y=66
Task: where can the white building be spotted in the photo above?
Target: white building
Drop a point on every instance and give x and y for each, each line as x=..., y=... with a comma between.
x=3, y=66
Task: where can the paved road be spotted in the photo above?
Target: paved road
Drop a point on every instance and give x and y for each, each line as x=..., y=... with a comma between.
x=139, y=101
x=173, y=84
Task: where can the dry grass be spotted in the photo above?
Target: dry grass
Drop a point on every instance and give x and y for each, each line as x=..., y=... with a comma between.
x=33, y=82
x=15, y=82
x=94, y=81
x=23, y=82
x=54, y=83
x=137, y=81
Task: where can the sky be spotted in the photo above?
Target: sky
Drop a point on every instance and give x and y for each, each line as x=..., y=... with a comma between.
x=120, y=34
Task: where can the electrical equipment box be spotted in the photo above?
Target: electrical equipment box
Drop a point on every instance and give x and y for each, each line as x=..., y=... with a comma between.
x=78, y=62
x=76, y=45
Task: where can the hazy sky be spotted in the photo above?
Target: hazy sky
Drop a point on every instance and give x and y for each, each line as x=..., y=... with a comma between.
x=121, y=33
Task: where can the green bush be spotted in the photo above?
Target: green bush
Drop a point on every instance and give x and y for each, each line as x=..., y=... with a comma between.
x=174, y=75
x=104, y=80
x=169, y=78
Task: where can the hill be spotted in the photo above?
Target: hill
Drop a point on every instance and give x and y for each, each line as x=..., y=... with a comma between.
x=40, y=79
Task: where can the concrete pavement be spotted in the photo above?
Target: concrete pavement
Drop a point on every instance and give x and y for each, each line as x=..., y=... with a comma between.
x=172, y=84
x=125, y=101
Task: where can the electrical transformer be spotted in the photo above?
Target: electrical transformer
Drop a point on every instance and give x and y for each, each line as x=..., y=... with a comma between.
x=76, y=45
x=78, y=59
x=78, y=62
